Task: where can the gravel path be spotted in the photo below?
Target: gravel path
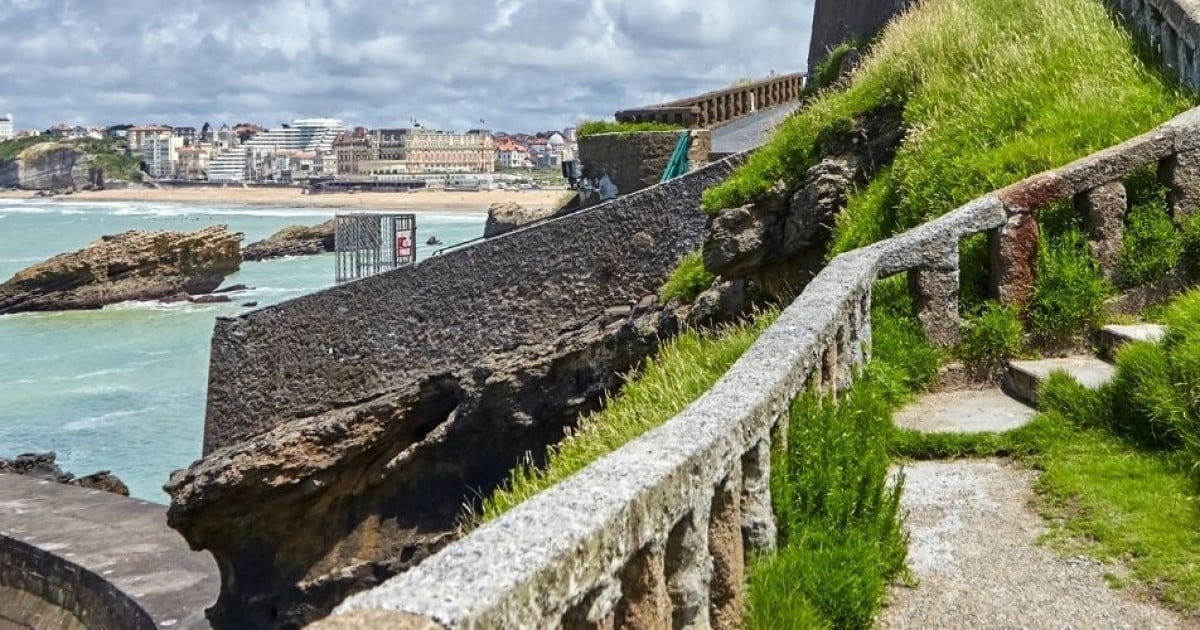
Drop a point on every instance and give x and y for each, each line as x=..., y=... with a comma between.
x=973, y=549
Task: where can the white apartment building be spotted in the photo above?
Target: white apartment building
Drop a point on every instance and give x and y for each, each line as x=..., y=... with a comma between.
x=6, y=127
x=158, y=148
x=314, y=135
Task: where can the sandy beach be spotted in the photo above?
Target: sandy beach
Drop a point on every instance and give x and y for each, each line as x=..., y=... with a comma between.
x=418, y=200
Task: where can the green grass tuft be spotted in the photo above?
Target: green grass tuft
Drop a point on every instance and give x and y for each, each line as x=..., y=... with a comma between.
x=1069, y=292
x=596, y=127
x=684, y=368
x=1152, y=246
x=688, y=280
x=991, y=337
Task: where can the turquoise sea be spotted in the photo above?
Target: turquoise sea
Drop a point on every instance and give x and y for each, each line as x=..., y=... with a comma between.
x=123, y=388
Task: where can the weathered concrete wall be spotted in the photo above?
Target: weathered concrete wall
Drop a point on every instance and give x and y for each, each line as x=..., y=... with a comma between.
x=835, y=21
x=353, y=343
x=650, y=532
x=635, y=161
x=1172, y=27
x=110, y=561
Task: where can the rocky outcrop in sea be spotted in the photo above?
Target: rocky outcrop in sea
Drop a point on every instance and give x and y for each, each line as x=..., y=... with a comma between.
x=506, y=217
x=295, y=240
x=43, y=466
x=134, y=265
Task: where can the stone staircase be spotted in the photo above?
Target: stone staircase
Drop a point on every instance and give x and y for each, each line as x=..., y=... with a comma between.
x=973, y=548
x=1023, y=378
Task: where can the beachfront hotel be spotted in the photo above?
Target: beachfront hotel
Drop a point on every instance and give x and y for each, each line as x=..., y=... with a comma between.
x=6, y=127
x=315, y=135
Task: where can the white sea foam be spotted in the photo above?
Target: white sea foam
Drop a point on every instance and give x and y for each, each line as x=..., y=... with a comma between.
x=102, y=420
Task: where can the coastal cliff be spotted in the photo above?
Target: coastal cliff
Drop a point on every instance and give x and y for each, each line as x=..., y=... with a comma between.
x=52, y=167
x=134, y=265
x=79, y=165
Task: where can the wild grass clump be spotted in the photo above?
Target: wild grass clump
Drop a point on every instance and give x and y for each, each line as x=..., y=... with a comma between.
x=1152, y=247
x=993, y=91
x=688, y=280
x=683, y=369
x=992, y=336
x=596, y=127
x=826, y=71
x=1069, y=292
x=840, y=535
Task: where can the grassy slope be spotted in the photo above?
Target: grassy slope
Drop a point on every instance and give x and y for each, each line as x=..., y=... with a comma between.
x=993, y=91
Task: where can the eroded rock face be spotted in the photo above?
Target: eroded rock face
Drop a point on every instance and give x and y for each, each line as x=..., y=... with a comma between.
x=506, y=217
x=295, y=240
x=768, y=251
x=318, y=508
x=43, y=466
x=52, y=166
x=134, y=265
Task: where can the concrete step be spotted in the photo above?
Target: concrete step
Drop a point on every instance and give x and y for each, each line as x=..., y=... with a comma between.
x=1023, y=378
x=966, y=411
x=1114, y=336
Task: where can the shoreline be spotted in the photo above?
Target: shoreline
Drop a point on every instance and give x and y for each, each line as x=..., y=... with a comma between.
x=465, y=201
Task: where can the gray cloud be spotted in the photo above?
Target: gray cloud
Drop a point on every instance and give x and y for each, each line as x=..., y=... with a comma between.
x=518, y=64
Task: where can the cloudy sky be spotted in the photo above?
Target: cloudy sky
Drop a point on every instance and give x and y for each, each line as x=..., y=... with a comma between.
x=518, y=64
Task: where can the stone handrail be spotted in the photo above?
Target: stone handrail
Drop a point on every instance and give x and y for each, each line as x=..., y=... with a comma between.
x=713, y=109
x=656, y=532
x=1172, y=27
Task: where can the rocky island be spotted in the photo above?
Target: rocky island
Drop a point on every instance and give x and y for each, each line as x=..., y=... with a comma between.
x=295, y=240
x=134, y=265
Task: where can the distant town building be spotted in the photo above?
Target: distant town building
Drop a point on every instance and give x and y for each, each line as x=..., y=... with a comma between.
x=430, y=151
x=350, y=150
x=187, y=134
x=255, y=159
x=509, y=154
x=6, y=127
x=193, y=163
x=157, y=146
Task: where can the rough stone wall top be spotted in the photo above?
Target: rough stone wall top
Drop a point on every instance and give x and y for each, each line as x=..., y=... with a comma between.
x=835, y=21
x=354, y=342
x=634, y=161
x=110, y=560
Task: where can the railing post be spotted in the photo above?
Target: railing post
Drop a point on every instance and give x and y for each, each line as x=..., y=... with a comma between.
x=1103, y=210
x=689, y=569
x=728, y=596
x=1013, y=255
x=934, y=286
x=759, y=532
x=1180, y=173
x=644, y=602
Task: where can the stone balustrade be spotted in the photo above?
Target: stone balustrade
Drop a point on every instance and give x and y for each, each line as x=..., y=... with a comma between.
x=716, y=108
x=1172, y=27
x=657, y=532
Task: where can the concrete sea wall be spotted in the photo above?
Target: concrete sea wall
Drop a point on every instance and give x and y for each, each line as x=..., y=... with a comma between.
x=635, y=161
x=349, y=344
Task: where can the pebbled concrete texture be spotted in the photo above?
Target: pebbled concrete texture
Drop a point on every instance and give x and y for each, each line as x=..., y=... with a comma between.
x=109, y=560
x=970, y=411
x=973, y=550
x=1024, y=377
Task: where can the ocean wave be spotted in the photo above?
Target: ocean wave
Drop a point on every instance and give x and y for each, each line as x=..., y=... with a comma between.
x=102, y=420
x=71, y=377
